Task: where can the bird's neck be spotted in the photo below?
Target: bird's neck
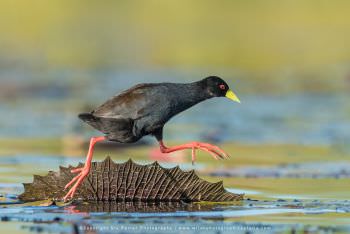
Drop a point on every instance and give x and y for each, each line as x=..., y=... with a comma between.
x=191, y=94
x=195, y=92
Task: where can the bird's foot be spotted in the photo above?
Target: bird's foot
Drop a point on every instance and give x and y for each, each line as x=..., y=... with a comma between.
x=215, y=151
x=83, y=172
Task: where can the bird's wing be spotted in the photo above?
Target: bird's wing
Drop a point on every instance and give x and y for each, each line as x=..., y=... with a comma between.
x=133, y=103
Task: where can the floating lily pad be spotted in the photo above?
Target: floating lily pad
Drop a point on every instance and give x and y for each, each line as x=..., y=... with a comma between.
x=110, y=181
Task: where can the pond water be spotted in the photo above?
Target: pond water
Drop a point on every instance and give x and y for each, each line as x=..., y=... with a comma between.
x=290, y=158
x=262, y=211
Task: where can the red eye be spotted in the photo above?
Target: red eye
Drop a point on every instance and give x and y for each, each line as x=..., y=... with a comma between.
x=222, y=87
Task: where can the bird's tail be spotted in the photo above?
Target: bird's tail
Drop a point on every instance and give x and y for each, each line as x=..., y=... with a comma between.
x=119, y=130
x=90, y=119
x=86, y=117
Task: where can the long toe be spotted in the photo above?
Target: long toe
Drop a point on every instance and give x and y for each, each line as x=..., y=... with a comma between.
x=76, y=170
x=217, y=149
x=213, y=153
x=71, y=192
x=72, y=181
x=77, y=180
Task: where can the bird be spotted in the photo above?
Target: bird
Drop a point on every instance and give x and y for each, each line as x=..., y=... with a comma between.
x=143, y=110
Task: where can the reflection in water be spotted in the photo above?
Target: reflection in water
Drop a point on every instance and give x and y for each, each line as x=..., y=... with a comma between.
x=119, y=217
x=105, y=206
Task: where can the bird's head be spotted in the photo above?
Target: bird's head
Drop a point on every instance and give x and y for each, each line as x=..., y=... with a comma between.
x=217, y=87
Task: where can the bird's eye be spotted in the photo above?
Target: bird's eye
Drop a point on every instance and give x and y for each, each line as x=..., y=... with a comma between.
x=222, y=87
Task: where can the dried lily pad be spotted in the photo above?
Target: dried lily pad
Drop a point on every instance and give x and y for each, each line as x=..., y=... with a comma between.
x=109, y=181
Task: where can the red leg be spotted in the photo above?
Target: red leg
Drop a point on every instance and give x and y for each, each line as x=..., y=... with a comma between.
x=215, y=151
x=83, y=171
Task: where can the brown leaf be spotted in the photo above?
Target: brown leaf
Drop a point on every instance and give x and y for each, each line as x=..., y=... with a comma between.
x=108, y=181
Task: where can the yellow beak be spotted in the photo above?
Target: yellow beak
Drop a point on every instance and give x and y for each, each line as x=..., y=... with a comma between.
x=231, y=95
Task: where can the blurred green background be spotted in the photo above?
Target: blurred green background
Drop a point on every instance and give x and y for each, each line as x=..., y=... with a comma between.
x=269, y=46
x=288, y=61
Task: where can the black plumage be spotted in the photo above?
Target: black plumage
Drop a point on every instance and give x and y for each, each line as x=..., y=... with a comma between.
x=145, y=108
